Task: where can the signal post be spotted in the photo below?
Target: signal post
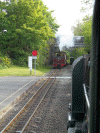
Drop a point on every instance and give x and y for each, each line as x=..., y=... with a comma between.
x=30, y=61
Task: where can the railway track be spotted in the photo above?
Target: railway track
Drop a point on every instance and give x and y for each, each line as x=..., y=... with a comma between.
x=23, y=117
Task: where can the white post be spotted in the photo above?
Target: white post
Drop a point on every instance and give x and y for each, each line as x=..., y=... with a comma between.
x=34, y=66
x=30, y=71
x=30, y=63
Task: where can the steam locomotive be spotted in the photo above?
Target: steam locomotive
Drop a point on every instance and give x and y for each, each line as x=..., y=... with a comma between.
x=59, y=60
x=84, y=109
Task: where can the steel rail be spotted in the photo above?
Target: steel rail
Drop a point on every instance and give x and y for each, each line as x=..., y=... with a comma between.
x=7, y=126
x=36, y=108
x=21, y=109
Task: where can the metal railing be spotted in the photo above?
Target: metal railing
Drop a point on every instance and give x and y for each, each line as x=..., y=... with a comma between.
x=86, y=96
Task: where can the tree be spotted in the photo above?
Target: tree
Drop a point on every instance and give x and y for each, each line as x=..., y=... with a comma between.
x=87, y=5
x=84, y=28
x=77, y=29
x=76, y=52
x=29, y=26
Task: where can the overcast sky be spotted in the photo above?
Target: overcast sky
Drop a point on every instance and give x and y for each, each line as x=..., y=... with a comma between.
x=66, y=13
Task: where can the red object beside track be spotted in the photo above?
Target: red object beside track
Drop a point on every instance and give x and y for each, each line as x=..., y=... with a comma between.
x=59, y=60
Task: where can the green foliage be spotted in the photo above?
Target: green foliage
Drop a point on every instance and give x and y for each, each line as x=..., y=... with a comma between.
x=1, y=67
x=86, y=5
x=22, y=61
x=19, y=56
x=76, y=52
x=84, y=29
x=29, y=24
x=43, y=55
x=5, y=62
x=87, y=32
x=67, y=56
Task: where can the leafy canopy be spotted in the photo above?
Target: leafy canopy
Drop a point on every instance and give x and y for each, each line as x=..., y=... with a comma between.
x=84, y=28
x=29, y=26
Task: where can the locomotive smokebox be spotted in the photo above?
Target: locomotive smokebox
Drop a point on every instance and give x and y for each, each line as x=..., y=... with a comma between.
x=78, y=98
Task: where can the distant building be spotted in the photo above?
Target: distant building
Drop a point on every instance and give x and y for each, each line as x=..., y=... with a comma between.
x=78, y=41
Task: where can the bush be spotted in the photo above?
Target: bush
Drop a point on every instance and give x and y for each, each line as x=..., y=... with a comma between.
x=76, y=52
x=1, y=67
x=19, y=56
x=6, y=61
x=18, y=62
x=42, y=57
x=21, y=61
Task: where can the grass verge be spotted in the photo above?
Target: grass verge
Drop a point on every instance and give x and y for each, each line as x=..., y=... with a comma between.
x=23, y=71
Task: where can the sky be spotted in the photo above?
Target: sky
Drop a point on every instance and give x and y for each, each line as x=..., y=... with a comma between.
x=66, y=13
